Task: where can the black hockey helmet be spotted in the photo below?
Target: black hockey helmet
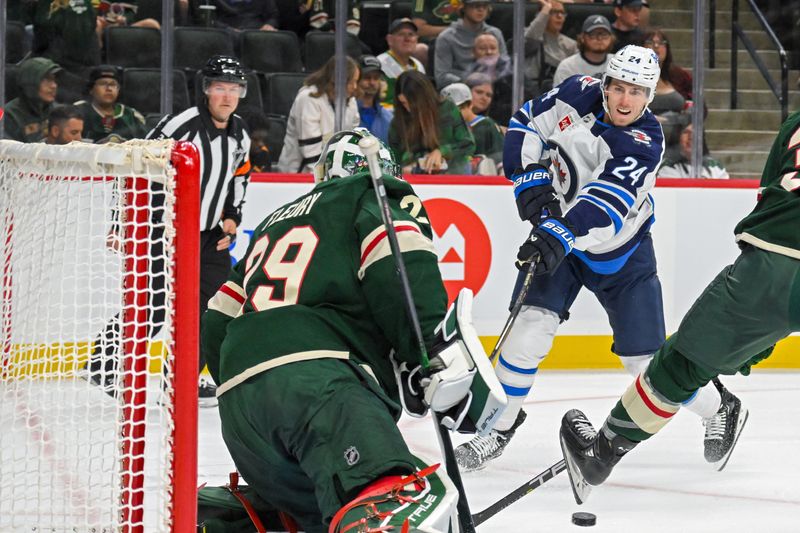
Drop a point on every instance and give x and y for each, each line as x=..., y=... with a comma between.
x=224, y=68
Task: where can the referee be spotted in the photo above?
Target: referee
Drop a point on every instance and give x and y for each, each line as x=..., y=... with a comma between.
x=224, y=146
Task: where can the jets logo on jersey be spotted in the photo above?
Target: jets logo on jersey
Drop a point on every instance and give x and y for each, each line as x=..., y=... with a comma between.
x=564, y=123
x=639, y=136
x=566, y=175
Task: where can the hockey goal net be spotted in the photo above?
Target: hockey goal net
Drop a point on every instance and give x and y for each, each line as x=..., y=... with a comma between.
x=98, y=361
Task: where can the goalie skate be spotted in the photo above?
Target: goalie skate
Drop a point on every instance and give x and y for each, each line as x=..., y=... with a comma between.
x=723, y=429
x=479, y=451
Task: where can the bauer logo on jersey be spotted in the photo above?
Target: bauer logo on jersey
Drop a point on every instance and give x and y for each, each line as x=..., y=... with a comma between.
x=639, y=136
x=564, y=123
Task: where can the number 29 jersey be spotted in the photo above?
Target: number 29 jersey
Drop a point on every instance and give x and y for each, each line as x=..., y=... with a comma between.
x=602, y=173
x=319, y=281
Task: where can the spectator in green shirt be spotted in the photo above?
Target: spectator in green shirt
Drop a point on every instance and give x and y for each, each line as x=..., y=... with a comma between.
x=485, y=131
x=26, y=115
x=428, y=134
x=432, y=17
x=103, y=116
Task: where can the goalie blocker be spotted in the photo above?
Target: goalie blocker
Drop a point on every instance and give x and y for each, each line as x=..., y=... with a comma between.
x=460, y=383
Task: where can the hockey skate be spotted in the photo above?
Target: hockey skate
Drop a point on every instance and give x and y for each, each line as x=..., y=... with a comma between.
x=724, y=428
x=590, y=456
x=206, y=392
x=478, y=452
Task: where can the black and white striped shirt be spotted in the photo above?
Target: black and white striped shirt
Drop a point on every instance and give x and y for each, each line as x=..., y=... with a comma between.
x=224, y=161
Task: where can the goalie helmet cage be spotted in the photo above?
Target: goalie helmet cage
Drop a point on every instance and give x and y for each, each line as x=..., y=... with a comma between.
x=100, y=250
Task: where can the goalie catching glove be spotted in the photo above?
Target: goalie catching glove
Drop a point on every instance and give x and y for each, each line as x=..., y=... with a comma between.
x=460, y=383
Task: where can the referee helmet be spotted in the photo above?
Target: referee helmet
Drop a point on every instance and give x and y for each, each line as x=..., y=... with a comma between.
x=227, y=69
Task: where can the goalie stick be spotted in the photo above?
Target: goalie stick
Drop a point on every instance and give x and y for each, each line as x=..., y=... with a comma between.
x=482, y=516
x=370, y=147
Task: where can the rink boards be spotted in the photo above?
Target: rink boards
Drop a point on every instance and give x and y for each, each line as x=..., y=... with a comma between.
x=477, y=233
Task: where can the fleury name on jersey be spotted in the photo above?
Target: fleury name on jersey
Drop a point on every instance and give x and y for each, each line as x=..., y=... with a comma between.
x=603, y=174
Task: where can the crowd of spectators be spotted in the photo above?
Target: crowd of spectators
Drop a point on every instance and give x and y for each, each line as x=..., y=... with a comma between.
x=444, y=45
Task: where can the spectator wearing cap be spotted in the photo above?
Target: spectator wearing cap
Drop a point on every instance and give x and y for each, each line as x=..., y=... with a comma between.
x=312, y=116
x=487, y=134
x=26, y=116
x=374, y=116
x=595, y=42
x=103, y=116
x=402, y=40
x=545, y=45
x=626, y=26
x=432, y=17
x=454, y=46
x=64, y=126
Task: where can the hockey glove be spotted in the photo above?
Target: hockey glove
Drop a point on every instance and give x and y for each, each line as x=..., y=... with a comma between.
x=409, y=382
x=535, y=195
x=548, y=245
x=461, y=383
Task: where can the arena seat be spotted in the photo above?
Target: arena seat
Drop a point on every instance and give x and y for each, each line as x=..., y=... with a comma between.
x=270, y=51
x=141, y=89
x=128, y=46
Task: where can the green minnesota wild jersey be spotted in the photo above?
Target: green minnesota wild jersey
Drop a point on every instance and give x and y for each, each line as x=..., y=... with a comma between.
x=319, y=281
x=774, y=224
x=436, y=12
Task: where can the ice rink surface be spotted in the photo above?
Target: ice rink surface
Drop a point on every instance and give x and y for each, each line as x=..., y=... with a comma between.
x=664, y=485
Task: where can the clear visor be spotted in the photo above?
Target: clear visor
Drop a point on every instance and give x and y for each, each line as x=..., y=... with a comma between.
x=223, y=88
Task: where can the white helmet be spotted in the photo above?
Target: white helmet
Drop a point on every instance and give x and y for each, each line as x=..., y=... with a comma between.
x=636, y=65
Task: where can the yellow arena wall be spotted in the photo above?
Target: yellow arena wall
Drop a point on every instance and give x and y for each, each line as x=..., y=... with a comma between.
x=586, y=352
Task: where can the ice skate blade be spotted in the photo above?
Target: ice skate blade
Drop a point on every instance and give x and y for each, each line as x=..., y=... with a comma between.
x=580, y=487
x=740, y=422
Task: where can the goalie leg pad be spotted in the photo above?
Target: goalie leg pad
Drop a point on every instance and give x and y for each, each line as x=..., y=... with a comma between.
x=475, y=393
x=423, y=502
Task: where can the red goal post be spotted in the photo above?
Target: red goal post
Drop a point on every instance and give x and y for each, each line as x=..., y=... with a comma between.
x=98, y=368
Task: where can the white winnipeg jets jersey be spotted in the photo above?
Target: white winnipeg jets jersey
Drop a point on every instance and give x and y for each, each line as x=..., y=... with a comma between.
x=603, y=174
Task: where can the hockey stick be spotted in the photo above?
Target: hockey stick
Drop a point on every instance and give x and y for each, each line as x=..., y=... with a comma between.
x=523, y=292
x=370, y=147
x=482, y=516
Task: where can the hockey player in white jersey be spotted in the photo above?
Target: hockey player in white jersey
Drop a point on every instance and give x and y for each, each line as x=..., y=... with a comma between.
x=583, y=158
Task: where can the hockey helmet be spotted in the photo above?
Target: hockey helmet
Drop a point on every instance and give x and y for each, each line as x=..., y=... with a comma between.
x=636, y=65
x=227, y=69
x=342, y=157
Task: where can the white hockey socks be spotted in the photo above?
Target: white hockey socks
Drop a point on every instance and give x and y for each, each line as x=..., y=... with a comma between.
x=528, y=343
x=705, y=402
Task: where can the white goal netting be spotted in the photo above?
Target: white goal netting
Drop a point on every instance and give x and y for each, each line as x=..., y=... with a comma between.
x=88, y=258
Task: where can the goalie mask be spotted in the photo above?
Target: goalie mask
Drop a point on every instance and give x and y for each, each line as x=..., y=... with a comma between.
x=341, y=157
x=636, y=65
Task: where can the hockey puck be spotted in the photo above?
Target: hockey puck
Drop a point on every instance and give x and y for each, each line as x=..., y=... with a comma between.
x=584, y=519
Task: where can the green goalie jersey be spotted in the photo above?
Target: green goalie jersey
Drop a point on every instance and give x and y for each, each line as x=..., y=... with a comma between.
x=319, y=281
x=774, y=224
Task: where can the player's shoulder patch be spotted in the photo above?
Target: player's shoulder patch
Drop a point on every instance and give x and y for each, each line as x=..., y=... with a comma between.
x=639, y=136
